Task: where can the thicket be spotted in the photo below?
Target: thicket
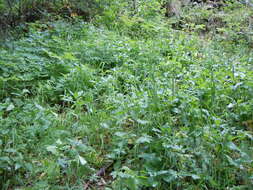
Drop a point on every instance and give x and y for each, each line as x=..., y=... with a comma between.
x=130, y=100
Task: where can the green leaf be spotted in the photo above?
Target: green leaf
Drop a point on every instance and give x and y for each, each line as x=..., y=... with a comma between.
x=172, y=175
x=193, y=176
x=142, y=122
x=232, y=162
x=144, y=139
x=10, y=107
x=17, y=166
x=52, y=149
x=82, y=160
x=10, y=150
x=232, y=146
x=120, y=134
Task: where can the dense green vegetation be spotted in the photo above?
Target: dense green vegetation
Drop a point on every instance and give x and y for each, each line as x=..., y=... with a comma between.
x=129, y=100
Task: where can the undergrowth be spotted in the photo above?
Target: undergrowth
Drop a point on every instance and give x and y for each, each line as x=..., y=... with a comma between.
x=154, y=107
